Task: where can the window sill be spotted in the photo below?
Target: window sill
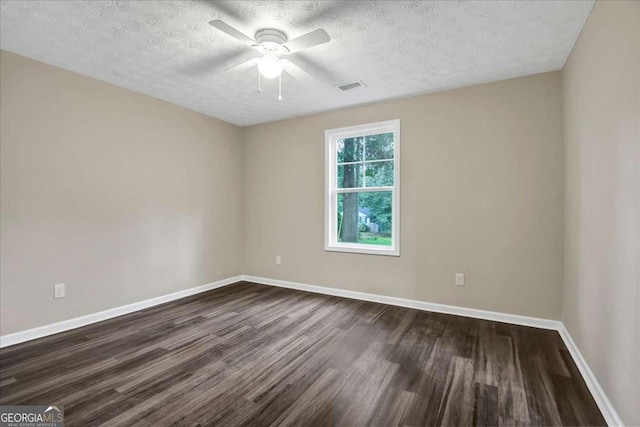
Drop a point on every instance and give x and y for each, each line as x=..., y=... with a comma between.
x=363, y=249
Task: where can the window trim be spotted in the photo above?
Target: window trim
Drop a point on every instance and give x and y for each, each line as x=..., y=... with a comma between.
x=331, y=191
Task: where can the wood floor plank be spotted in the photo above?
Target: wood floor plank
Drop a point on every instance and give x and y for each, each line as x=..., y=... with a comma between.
x=486, y=405
x=256, y=355
x=457, y=404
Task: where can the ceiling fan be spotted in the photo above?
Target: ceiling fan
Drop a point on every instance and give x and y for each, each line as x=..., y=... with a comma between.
x=272, y=44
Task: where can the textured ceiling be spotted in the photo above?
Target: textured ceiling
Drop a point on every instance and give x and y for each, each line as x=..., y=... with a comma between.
x=166, y=49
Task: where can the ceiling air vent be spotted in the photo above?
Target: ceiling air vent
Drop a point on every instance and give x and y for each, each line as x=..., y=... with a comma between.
x=351, y=85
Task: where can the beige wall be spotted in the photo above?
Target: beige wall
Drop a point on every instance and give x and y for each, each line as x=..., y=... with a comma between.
x=482, y=194
x=602, y=137
x=120, y=196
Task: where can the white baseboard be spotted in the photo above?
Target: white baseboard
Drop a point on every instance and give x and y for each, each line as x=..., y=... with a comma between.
x=608, y=411
x=419, y=305
x=65, y=325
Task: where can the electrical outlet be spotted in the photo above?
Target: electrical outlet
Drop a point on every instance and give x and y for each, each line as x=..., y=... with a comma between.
x=459, y=279
x=58, y=291
x=278, y=260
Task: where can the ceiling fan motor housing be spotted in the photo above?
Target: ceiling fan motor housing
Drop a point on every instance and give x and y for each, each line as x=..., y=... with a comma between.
x=272, y=41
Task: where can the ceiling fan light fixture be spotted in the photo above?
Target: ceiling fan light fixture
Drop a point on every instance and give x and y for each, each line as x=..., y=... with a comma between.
x=271, y=44
x=270, y=66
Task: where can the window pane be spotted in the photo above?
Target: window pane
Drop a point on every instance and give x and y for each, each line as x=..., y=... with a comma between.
x=379, y=174
x=350, y=149
x=365, y=218
x=379, y=147
x=350, y=176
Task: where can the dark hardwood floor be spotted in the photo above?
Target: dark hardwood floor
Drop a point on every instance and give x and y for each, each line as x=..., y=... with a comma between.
x=257, y=355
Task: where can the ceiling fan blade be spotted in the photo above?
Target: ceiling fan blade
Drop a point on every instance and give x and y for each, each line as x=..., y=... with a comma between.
x=296, y=71
x=314, y=38
x=328, y=10
x=213, y=64
x=226, y=28
x=229, y=9
x=319, y=71
x=243, y=66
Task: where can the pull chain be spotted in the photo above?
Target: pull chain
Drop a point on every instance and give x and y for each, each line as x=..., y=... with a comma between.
x=259, y=87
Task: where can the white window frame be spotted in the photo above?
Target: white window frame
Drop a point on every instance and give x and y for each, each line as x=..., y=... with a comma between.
x=331, y=242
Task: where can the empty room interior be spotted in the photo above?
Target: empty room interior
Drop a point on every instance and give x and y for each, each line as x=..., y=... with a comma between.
x=354, y=213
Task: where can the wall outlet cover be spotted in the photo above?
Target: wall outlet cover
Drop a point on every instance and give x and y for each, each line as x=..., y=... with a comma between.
x=58, y=291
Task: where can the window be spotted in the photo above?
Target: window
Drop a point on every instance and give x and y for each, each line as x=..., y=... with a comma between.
x=362, y=207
